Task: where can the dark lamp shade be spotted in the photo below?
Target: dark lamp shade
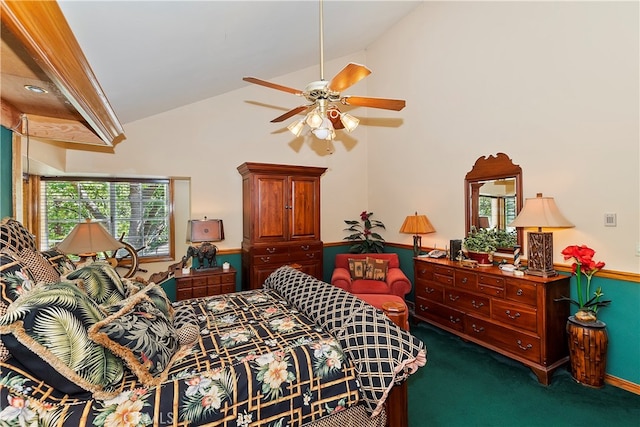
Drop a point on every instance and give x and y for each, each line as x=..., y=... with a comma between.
x=207, y=230
x=89, y=238
x=417, y=224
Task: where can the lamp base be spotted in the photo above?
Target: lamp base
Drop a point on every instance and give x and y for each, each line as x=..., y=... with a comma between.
x=540, y=261
x=417, y=244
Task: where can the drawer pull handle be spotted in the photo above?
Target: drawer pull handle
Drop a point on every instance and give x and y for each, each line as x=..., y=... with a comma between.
x=528, y=347
x=520, y=292
x=454, y=298
x=304, y=247
x=265, y=258
x=423, y=271
x=454, y=320
x=310, y=255
x=271, y=250
x=423, y=308
x=476, y=305
x=429, y=290
x=464, y=280
x=476, y=329
x=515, y=316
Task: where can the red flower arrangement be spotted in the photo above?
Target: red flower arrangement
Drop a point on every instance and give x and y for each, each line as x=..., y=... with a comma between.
x=585, y=264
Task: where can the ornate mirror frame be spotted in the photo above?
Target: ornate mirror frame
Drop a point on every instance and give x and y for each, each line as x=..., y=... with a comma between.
x=486, y=169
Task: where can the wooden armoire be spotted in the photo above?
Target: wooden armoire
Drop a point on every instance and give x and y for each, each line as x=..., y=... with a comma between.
x=281, y=220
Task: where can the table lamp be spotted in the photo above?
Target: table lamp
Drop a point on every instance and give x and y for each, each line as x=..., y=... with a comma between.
x=417, y=225
x=87, y=239
x=204, y=232
x=540, y=212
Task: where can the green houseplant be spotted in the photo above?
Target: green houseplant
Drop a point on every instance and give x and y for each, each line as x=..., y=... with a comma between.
x=480, y=240
x=365, y=240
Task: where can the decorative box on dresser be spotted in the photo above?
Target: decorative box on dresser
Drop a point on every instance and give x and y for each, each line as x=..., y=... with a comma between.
x=513, y=315
x=205, y=282
x=280, y=220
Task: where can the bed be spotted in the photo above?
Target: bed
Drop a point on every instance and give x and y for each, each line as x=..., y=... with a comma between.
x=91, y=348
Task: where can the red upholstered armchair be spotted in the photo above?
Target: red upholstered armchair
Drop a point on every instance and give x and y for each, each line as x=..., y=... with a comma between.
x=395, y=283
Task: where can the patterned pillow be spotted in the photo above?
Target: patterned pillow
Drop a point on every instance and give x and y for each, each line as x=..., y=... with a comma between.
x=101, y=282
x=59, y=261
x=186, y=324
x=140, y=334
x=357, y=268
x=15, y=280
x=15, y=237
x=46, y=331
x=376, y=269
x=384, y=354
x=41, y=269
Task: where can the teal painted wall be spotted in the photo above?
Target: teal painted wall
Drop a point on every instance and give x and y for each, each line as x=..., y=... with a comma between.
x=6, y=190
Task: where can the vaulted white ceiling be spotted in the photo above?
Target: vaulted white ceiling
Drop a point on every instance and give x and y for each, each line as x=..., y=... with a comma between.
x=153, y=56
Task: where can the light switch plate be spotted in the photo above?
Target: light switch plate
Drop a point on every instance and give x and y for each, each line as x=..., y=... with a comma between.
x=610, y=220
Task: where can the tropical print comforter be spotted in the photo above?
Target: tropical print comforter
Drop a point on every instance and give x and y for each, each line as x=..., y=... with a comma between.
x=258, y=361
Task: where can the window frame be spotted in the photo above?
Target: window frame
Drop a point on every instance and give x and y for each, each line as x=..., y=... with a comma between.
x=36, y=201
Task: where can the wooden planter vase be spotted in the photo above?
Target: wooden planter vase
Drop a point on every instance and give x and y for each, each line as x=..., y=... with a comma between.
x=588, y=343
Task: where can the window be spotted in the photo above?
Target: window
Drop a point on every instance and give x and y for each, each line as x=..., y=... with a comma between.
x=138, y=211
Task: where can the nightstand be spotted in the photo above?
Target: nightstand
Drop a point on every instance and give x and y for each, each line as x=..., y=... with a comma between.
x=203, y=283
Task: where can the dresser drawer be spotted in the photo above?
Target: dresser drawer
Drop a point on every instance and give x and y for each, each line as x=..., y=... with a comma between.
x=493, y=291
x=515, y=315
x=445, y=280
x=467, y=302
x=429, y=290
x=513, y=341
x=466, y=280
x=442, y=314
x=494, y=281
x=442, y=270
x=423, y=271
x=520, y=291
x=228, y=278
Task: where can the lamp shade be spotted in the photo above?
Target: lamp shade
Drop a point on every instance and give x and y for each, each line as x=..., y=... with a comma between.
x=206, y=230
x=417, y=224
x=89, y=237
x=540, y=212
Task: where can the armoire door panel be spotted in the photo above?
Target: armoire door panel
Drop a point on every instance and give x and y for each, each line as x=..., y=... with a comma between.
x=270, y=219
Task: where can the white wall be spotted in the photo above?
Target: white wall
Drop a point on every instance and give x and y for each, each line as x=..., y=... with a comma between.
x=552, y=84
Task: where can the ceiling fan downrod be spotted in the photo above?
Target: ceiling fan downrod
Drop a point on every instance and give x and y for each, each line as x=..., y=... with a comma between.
x=321, y=42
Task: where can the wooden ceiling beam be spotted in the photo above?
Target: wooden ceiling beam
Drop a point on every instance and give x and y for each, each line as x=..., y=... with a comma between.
x=44, y=32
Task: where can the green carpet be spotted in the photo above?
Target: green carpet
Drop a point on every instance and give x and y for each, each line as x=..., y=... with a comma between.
x=464, y=384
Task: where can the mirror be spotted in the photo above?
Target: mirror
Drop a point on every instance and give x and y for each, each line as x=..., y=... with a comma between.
x=493, y=194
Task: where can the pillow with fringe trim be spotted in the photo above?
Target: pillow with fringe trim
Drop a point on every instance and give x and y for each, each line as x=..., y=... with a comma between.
x=138, y=332
x=46, y=331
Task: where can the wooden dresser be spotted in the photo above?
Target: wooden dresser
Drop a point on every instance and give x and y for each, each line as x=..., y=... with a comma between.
x=513, y=315
x=203, y=283
x=281, y=220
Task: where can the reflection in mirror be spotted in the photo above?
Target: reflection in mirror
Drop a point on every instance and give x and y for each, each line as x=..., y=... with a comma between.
x=493, y=194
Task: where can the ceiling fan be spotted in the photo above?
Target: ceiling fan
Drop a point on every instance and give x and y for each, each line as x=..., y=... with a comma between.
x=323, y=116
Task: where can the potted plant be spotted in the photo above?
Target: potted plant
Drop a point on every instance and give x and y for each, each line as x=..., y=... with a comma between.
x=366, y=241
x=505, y=240
x=587, y=335
x=479, y=244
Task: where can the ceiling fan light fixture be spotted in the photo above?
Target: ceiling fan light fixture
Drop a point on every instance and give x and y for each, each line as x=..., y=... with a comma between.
x=349, y=122
x=314, y=119
x=296, y=127
x=325, y=130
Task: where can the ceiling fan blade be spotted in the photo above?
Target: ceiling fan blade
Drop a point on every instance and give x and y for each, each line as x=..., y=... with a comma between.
x=351, y=74
x=363, y=101
x=290, y=113
x=272, y=85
